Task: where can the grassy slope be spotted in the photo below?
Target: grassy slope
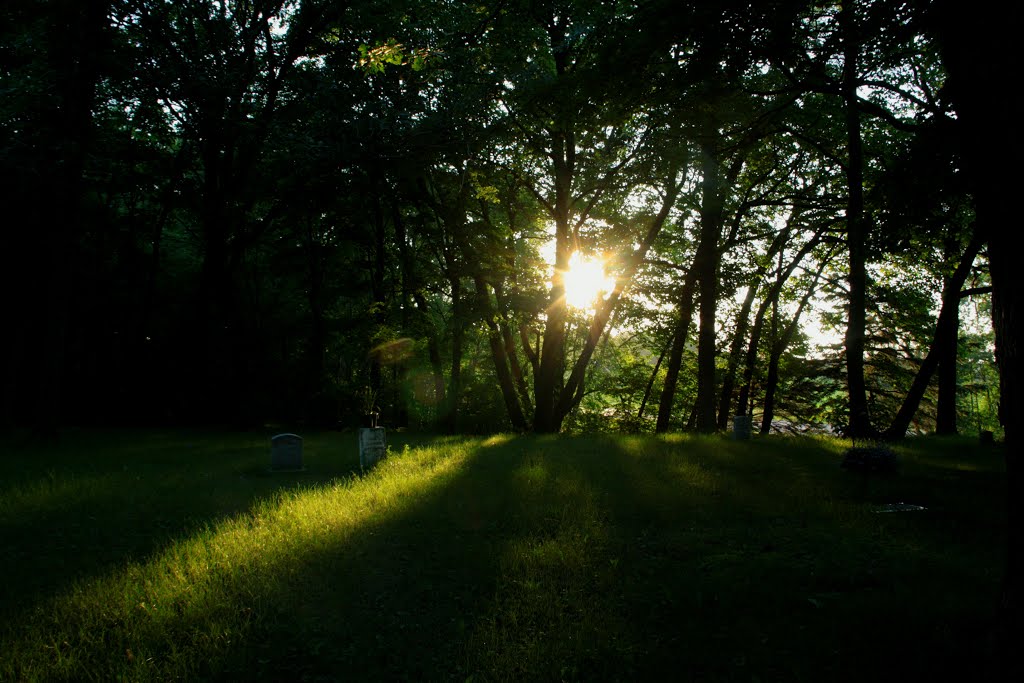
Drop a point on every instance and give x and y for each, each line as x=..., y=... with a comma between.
x=153, y=556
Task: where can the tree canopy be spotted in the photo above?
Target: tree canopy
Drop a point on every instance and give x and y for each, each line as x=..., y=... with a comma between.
x=529, y=215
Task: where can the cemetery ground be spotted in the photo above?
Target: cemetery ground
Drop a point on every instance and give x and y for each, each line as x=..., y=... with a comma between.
x=179, y=555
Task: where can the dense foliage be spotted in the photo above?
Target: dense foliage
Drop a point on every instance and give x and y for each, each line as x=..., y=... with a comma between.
x=303, y=211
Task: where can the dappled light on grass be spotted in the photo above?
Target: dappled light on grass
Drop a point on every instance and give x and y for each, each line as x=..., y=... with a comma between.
x=702, y=558
x=554, y=558
x=201, y=598
x=497, y=440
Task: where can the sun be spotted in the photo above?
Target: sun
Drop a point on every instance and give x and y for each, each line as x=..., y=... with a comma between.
x=585, y=281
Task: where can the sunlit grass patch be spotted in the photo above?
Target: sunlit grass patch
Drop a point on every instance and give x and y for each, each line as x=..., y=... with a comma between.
x=500, y=558
x=196, y=600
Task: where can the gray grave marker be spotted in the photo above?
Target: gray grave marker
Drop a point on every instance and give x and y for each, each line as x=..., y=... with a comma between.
x=372, y=446
x=741, y=427
x=286, y=452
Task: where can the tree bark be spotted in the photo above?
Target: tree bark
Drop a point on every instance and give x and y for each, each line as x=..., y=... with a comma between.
x=499, y=355
x=780, y=345
x=947, y=348
x=979, y=50
x=743, y=400
x=945, y=407
x=548, y=380
x=742, y=322
x=675, y=358
x=510, y=351
x=856, y=230
x=706, y=264
x=945, y=327
x=650, y=382
x=515, y=367
x=755, y=332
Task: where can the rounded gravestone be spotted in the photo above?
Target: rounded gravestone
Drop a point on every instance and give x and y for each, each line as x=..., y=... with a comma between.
x=286, y=452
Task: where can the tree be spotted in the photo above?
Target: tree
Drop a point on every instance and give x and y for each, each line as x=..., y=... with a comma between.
x=56, y=58
x=978, y=52
x=576, y=143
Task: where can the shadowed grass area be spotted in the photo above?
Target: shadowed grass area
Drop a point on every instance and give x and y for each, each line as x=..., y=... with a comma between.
x=158, y=556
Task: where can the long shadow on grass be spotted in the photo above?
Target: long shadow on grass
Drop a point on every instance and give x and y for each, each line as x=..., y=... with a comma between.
x=557, y=559
x=97, y=500
x=710, y=560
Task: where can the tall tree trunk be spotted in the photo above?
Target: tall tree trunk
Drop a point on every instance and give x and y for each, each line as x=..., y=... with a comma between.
x=574, y=386
x=979, y=50
x=755, y=333
x=515, y=367
x=675, y=358
x=548, y=380
x=735, y=349
x=706, y=264
x=856, y=229
x=945, y=327
x=947, y=348
x=510, y=351
x=771, y=384
x=772, y=377
x=742, y=322
x=498, y=353
x=650, y=382
x=742, y=401
x=780, y=345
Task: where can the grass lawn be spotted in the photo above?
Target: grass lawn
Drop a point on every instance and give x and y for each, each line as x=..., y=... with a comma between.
x=163, y=556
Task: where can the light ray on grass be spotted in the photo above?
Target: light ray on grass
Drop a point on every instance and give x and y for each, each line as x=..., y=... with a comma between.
x=164, y=618
x=548, y=558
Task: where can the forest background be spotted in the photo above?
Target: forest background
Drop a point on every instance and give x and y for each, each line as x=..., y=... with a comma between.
x=302, y=212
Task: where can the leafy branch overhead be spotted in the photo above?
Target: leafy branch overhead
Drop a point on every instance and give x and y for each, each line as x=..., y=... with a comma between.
x=374, y=59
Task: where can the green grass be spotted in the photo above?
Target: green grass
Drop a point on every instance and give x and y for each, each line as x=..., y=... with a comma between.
x=162, y=556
